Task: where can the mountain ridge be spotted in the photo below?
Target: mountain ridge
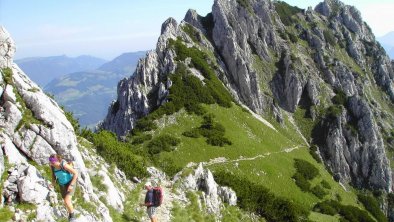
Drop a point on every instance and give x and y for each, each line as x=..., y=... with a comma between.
x=43, y=69
x=317, y=76
x=319, y=70
x=87, y=93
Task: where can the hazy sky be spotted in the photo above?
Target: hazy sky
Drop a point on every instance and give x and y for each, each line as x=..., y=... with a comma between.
x=106, y=29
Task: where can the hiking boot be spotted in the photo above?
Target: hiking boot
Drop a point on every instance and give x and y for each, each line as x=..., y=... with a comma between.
x=71, y=217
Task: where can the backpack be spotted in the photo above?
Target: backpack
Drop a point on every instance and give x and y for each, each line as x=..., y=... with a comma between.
x=157, y=196
x=63, y=177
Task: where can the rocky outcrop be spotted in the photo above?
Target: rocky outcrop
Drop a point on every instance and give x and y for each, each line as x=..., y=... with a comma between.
x=270, y=67
x=7, y=48
x=214, y=195
x=140, y=93
x=33, y=127
x=199, y=182
x=354, y=156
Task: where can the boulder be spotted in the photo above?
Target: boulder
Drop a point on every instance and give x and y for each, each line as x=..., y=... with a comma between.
x=214, y=195
x=32, y=187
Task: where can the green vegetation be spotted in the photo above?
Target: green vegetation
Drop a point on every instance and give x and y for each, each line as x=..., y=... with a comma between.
x=304, y=122
x=211, y=130
x=265, y=71
x=192, y=32
x=129, y=214
x=27, y=115
x=390, y=200
x=97, y=182
x=141, y=139
x=119, y=153
x=257, y=198
x=313, y=152
x=330, y=38
x=7, y=74
x=234, y=214
x=334, y=111
x=347, y=212
x=144, y=124
x=199, y=61
x=33, y=89
x=80, y=202
x=162, y=143
x=306, y=169
x=6, y=214
x=27, y=119
x=70, y=117
x=340, y=98
x=305, y=173
x=286, y=11
x=246, y=5
x=372, y=205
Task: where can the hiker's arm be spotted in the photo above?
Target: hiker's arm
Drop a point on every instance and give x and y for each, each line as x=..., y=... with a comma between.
x=73, y=172
x=148, y=199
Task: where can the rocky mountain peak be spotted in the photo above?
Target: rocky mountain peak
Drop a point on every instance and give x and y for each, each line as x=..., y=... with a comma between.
x=7, y=47
x=275, y=58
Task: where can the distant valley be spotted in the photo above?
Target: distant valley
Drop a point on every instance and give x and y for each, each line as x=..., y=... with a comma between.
x=88, y=93
x=42, y=70
x=387, y=42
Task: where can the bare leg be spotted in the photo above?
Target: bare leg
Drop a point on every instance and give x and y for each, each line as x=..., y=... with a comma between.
x=68, y=203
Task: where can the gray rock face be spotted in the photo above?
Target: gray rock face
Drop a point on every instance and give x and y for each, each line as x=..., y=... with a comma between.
x=214, y=195
x=359, y=158
x=133, y=93
x=7, y=48
x=237, y=36
x=33, y=127
x=25, y=183
x=269, y=67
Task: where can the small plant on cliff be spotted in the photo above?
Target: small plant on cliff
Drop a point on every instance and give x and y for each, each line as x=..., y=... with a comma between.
x=285, y=12
x=7, y=73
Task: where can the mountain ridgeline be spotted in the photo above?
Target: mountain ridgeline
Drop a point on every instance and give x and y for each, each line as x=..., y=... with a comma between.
x=43, y=70
x=318, y=73
x=258, y=111
x=87, y=93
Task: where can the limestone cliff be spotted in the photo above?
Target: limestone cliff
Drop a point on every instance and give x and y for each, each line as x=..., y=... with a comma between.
x=33, y=127
x=274, y=59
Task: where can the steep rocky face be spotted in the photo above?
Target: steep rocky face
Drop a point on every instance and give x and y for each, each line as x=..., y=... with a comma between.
x=33, y=127
x=214, y=195
x=269, y=55
x=134, y=92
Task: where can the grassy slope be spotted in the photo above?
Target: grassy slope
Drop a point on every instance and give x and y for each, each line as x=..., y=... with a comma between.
x=274, y=165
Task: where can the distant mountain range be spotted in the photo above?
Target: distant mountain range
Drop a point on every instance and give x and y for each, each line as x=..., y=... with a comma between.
x=123, y=64
x=387, y=42
x=42, y=70
x=88, y=93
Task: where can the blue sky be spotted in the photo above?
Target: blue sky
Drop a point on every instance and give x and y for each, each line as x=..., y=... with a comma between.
x=106, y=29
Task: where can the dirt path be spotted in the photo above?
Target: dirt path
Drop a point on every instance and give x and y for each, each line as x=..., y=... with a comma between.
x=164, y=211
x=223, y=160
x=260, y=118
